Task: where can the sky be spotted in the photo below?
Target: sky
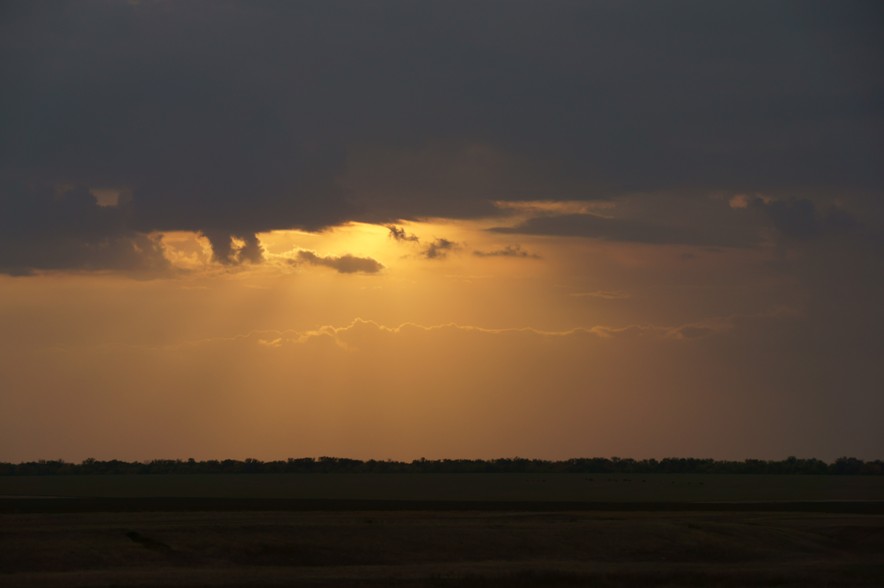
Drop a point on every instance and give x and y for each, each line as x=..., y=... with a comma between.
x=393, y=230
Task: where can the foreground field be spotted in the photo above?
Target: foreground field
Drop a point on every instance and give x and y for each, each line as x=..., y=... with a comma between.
x=412, y=549
x=652, y=488
x=414, y=530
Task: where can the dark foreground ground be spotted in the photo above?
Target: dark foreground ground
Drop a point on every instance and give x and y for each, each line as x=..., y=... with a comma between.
x=131, y=537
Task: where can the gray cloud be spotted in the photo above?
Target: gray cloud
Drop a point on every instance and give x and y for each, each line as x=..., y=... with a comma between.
x=242, y=117
x=48, y=229
x=345, y=264
x=508, y=251
x=801, y=219
x=439, y=249
x=399, y=234
x=225, y=252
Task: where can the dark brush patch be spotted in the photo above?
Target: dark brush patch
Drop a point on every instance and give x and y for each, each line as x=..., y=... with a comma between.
x=149, y=543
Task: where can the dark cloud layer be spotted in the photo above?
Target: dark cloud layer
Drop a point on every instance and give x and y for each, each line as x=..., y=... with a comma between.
x=44, y=229
x=801, y=219
x=239, y=117
x=615, y=229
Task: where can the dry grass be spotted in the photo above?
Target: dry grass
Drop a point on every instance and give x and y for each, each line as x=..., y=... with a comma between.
x=414, y=549
x=303, y=530
x=479, y=487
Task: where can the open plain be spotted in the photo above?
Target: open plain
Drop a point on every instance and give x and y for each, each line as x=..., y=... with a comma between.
x=441, y=530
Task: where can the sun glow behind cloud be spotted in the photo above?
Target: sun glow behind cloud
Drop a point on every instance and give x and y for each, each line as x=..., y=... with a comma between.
x=452, y=241
x=578, y=346
x=359, y=239
x=303, y=244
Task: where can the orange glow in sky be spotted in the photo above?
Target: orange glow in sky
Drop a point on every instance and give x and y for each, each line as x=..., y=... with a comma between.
x=270, y=230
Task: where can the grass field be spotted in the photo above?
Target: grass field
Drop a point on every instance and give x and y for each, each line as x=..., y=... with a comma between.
x=441, y=530
x=655, y=488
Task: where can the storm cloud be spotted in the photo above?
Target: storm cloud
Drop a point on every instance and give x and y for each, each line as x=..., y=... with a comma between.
x=49, y=229
x=237, y=118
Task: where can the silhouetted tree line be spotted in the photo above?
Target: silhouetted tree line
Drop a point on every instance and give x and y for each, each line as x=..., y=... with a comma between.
x=338, y=465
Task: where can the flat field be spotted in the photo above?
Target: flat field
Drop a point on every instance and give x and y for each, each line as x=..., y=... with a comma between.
x=418, y=530
x=650, y=488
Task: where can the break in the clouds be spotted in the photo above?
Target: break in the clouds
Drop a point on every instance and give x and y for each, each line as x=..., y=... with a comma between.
x=345, y=264
x=236, y=118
